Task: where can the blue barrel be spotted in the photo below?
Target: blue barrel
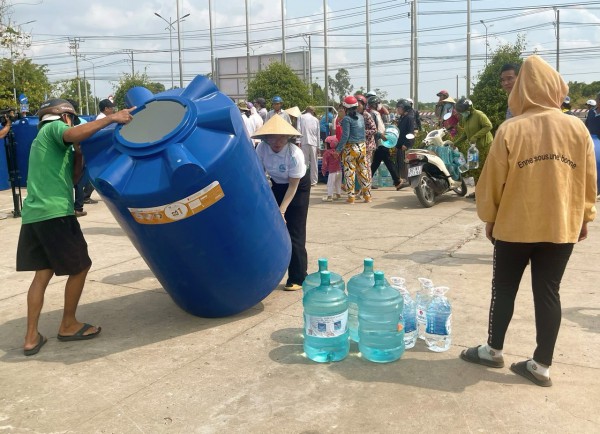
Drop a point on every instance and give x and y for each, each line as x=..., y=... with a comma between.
x=183, y=181
x=25, y=130
x=4, y=184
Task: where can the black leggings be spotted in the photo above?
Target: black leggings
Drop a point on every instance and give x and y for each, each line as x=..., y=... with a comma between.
x=548, y=263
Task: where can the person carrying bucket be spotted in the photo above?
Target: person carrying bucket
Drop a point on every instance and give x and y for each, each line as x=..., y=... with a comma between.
x=290, y=184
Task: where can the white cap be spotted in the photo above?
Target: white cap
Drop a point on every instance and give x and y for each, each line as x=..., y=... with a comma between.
x=591, y=102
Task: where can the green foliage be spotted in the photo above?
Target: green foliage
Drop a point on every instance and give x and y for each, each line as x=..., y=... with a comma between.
x=340, y=85
x=30, y=79
x=68, y=89
x=279, y=79
x=129, y=81
x=318, y=95
x=581, y=92
x=488, y=96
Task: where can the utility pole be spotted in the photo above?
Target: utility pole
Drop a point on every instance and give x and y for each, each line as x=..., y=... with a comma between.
x=179, y=45
x=468, y=48
x=283, y=30
x=74, y=45
x=416, y=54
x=247, y=50
x=368, y=20
x=325, y=47
x=310, y=66
x=130, y=53
x=87, y=102
x=557, y=11
x=212, y=48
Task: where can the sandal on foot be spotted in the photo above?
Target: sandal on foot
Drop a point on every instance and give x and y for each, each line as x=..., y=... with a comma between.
x=472, y=355
x=79, y=336
x=32, y=351
x=521, y=369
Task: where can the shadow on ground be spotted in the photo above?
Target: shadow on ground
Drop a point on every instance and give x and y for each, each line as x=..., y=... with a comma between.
x=447, y=375
x=128, y=322
x=441, y=257
x=586, y=317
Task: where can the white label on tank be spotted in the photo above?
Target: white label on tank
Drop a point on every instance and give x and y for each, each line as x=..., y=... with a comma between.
x=181, y=209
x=326, y=326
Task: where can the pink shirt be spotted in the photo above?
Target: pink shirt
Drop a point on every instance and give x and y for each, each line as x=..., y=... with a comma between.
x=331, y=162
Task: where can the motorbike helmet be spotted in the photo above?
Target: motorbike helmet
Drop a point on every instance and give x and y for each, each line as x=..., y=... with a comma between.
x=277, y=100
x=362, y=99
x=463, y=104
x=567, y=100
x=591, y=102
x=404, y=104
x=51, y=110
x=374, y=101
x=261, y=102
x=410, y=101
x=350, y=102
x=370, y=93
x=443, y=92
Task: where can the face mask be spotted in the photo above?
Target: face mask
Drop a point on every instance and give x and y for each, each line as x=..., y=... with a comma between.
x=465, y=115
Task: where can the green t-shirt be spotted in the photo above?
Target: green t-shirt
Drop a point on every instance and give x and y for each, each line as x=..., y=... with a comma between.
x=50, y=176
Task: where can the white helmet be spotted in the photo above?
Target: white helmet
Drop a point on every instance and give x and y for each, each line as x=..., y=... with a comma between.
x=410, y=101
x=370, y=94
x=591, y=102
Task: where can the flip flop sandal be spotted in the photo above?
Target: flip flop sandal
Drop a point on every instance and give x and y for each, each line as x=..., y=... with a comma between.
x=32, y=351
x=471, y=355
x=79, y=336
x=521, y=369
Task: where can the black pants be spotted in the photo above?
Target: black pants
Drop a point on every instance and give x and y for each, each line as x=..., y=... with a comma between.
x=383, y=154
x=296, y=216
x=401, y=165
x=548, y=263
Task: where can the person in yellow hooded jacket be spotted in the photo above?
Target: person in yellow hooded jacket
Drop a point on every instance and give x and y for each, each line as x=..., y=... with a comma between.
x=536, y=193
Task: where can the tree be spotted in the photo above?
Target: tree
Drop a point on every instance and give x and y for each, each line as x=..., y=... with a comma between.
x=279, y=79
x=30, y=79
x=318, y=95
x=129, y=81
x=488, y=96
x=68, y=89
x=340, y=85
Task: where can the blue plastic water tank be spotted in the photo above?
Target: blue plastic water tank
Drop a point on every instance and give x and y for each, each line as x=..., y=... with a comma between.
x=4, y=184
x=183, y=181
x=25, y=130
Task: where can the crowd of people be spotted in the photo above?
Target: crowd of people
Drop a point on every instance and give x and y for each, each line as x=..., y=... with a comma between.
x=526, y=220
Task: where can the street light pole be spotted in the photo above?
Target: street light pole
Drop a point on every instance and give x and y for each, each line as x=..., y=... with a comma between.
x=486, y=44
x=94, y=80
x=170, y=28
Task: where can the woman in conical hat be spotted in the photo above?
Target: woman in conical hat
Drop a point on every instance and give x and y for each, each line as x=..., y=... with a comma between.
x=290, y=184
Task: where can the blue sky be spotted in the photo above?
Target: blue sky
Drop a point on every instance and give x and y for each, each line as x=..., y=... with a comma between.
x=107, y=28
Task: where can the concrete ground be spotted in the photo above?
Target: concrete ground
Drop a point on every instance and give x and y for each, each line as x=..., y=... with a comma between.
x=156, y=368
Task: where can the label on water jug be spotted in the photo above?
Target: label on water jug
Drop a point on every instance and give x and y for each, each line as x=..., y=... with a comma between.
x=326, y=326
x=181, y=209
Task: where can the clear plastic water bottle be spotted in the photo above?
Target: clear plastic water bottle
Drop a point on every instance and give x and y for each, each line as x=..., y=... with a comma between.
x=313, y=280
x=381, y=334
x=409, y=312
x=473, y=156
x=326, y=322
x=356, y=285
x=438, y=335
x=422, y=299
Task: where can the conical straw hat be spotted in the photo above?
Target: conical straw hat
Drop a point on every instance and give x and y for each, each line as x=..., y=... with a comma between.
x=276, y=125
x=294, y=111
x=449, y=99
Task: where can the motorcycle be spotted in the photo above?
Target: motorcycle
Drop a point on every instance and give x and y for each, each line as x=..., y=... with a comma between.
x=436, y=169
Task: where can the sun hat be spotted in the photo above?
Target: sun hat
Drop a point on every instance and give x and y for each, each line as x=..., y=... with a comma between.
x=276, y=126
x=293, y=111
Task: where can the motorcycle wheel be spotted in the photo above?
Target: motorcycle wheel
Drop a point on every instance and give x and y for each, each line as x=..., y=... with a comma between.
x=462, y=190
x=424, y=192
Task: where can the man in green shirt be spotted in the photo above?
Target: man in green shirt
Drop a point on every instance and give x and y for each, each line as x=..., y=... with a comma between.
x=51, y=241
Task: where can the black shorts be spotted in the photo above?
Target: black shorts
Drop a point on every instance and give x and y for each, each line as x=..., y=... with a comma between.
x=55, y=244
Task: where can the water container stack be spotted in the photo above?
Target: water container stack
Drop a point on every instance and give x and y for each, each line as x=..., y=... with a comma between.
x=326, y=322
x=356, y=285
x=438, y=334
x=381, y=334
x=409, y=313
x=385, y=179
x=313, y=280
x=422, y=299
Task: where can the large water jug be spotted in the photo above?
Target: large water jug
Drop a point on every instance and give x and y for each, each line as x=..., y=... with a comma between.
x=422, y=299
x=409, y=312
x=381, y=334
x=391, y=136
x=356, y=285
x=326, y=322
x=438, y=335
x=313, y=280
x=183, y=181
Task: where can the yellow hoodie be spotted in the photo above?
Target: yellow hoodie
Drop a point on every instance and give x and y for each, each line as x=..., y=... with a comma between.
x=538, y=183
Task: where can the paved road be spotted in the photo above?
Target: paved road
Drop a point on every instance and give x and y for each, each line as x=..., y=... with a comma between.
x=157, y=369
